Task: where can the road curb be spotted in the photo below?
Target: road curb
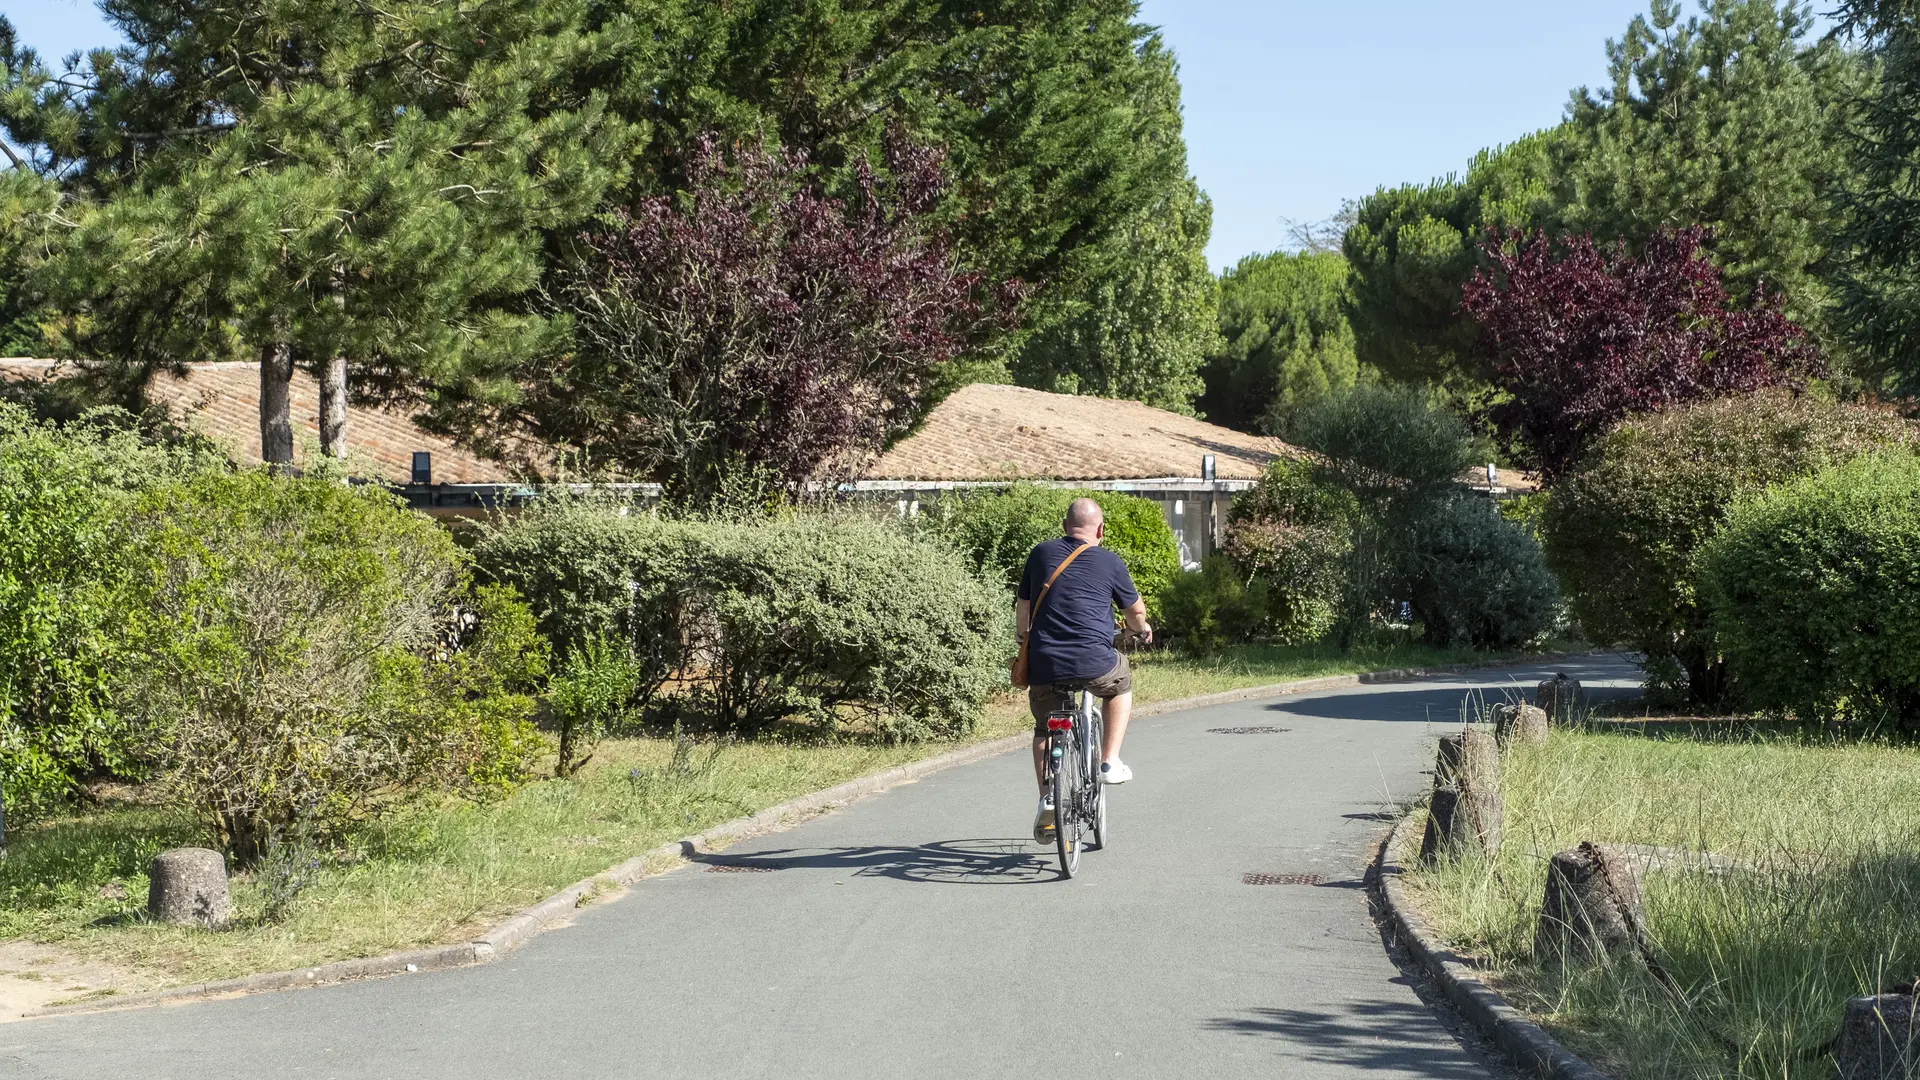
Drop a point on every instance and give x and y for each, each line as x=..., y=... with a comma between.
x=521, y=926
x=1526, y=1043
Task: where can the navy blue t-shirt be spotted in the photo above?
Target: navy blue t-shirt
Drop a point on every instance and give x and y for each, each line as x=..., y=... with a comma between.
x=1072, y=634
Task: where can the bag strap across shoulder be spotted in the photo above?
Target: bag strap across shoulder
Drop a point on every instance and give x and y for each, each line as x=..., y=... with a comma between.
x=1051, y=578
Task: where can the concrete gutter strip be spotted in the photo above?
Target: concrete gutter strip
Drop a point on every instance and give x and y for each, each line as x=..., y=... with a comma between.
x=1523, y=1041
x=524, y=924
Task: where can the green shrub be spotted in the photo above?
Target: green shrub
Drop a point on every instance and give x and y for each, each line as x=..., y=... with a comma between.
x=812, y=619
x=1476, y=579
x=1290, y=537
x=492, y=664
x=1217, y=606
x=1623, y=529
x=1812, y=590
x=1399, y=452
x=301, y=656
x=996, y=530
x=61, y=574
x=588, y=697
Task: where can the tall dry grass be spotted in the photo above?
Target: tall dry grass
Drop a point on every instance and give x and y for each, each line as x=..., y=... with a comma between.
x=1823, y=902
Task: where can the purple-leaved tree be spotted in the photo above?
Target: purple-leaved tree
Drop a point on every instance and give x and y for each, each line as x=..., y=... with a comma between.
x=1581, y=336
x=752, y=333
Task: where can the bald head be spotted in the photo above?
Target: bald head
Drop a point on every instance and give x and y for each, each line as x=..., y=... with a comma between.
x=1083, y=520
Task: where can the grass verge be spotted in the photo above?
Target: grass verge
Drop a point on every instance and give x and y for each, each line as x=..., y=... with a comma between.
x=1821, y=906
x=441, y=872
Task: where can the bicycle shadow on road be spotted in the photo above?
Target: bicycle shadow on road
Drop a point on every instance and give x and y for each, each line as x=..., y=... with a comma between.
x=1396, y=1038
x=1012, y=861
x=1419, y=704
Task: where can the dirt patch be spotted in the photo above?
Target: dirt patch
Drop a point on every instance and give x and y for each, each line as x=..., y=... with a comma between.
x=34, y=976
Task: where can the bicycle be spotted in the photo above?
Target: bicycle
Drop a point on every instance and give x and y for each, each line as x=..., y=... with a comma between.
x=1073, y=776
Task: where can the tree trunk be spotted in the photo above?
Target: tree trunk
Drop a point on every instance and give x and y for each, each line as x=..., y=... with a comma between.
x=276, y=387
x=333, y=379
x=333, y=407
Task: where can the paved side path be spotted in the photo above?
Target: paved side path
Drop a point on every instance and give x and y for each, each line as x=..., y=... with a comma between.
x=916, y=934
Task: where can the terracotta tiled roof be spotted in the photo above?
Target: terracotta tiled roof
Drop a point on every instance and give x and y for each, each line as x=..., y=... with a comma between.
x=988, y=432
x=223, y=401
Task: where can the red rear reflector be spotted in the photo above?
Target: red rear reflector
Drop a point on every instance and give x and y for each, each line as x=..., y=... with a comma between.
x=1059, y=723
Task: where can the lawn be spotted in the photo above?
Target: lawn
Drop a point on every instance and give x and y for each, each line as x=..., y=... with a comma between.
x=1822, y=904
x=440, y=872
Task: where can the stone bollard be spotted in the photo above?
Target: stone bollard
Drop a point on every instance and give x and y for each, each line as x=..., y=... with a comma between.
x=188, y=887
x=1467, y=758
x=1450, y=831
x=1878, y=1039
x=1465, y=813
x=1564, y=700
x=1592, y=906
x=1520, y=723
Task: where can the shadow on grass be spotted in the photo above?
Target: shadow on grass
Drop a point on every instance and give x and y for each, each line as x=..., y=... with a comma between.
x=945, y=862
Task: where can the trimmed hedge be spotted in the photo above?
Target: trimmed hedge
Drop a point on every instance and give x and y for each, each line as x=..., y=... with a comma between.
x=1623, y=529
x=1813, y=586
x=740, y=625
x=996, y=530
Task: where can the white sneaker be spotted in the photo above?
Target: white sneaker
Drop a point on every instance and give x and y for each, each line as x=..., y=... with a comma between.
x=1043, y=822
x=1115, y=772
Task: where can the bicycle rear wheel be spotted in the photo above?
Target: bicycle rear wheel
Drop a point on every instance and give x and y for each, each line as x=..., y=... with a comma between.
x=1096, y=790
x=1068, y=784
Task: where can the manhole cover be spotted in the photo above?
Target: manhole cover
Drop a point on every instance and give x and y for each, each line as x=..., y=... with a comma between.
x=1260, y=877
x=735, y=869
x=1263, y=730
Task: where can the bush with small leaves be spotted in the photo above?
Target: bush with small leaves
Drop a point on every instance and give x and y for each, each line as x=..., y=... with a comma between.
x=1476, y=579
x=739, y=625
x=62, y=567
x=1291, y=535
x=1622, y=530
x=588, y=697
x=300, y=651
x=1217, y=606
x=997, y=529
x=1811, y=586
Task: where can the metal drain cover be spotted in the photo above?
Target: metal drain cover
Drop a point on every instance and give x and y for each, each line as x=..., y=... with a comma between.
x=1261, y=877
x=728, y=868
x=1261, y=730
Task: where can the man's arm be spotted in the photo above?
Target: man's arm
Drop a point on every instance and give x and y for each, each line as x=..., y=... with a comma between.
x=1022, y=619
x=1136, y=619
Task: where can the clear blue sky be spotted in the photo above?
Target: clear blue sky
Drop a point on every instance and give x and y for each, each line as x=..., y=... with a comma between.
x=1291, y=105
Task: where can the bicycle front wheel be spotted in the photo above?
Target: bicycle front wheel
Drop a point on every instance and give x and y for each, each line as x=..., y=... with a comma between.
x=1068, y=783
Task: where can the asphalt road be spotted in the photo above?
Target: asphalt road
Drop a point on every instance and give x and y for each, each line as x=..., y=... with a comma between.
x=917, y=934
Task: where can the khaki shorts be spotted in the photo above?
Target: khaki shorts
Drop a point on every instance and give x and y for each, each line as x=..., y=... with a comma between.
x=1042, y=700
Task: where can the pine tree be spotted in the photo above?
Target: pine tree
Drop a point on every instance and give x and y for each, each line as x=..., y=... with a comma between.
x=1879, y=290
x=1730, y=120
x=1287, y=341
x=1060, y=120
x=324, y=184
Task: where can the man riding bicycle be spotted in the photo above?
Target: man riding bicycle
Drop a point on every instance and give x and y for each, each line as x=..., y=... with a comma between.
x=1071, y=641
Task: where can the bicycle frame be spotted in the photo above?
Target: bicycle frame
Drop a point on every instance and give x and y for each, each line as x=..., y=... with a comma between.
x=1077, y=737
